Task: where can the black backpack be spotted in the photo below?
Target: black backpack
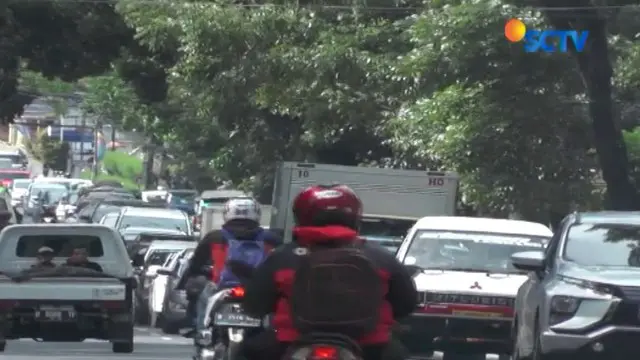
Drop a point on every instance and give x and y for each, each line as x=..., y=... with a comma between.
x=336, y=290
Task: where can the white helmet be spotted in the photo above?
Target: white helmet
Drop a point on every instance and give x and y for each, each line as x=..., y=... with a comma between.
x=242, y=208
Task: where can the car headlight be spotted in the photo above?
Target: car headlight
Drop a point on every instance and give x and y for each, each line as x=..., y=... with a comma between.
x=563, y=308
x=564, y=304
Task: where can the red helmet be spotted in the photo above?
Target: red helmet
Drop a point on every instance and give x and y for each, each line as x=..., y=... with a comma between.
x=320, y=205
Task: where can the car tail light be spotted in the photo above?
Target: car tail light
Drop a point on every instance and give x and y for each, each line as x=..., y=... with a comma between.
x=113, y=304
x=6, y=182
x=324, y=353
x=237, y=292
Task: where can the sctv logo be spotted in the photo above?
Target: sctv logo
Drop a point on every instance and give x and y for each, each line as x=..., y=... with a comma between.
x=545, y=40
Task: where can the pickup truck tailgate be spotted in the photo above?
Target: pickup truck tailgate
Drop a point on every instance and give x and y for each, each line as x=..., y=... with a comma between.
x=63, y=288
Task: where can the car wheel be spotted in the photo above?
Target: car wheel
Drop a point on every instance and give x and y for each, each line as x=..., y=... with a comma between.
x=122, y=347
x=3, y=345
x=169, y=328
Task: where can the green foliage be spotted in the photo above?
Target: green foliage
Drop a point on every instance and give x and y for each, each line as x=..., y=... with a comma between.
x=230, y=90
x=126, y=183
x=123, y=166
x=52, y=153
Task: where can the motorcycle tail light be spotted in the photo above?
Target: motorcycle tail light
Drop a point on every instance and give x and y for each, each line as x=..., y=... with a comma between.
x=237, y=292
x=324, y=353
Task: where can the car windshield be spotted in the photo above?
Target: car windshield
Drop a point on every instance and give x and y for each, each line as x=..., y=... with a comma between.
x=6, y=163
x=13, y=158
x=385, y=231
x=55, y=192
x=614, y=245
x=14, y=176
x=159, y=256
x=154, y=222
x=63, y=183
x=182, y=198
x=104, y=209
x=21, y=184
x=469, y=251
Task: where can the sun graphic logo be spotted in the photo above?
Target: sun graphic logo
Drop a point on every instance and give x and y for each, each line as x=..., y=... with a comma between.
x=515, y=30
x=545, y=40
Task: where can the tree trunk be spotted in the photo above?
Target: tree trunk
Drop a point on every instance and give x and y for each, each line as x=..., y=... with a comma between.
x=596, y=70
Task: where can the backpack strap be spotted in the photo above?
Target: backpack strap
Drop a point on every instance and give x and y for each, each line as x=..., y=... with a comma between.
x=227, y=235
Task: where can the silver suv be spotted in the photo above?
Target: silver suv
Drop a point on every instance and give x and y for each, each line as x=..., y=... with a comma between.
x=582, y=298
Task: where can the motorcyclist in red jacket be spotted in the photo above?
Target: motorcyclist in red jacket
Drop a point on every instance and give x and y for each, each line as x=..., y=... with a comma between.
x=333, y=220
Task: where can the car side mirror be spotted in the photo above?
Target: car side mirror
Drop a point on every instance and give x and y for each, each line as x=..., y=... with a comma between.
x=137, y=261
x=412, y=269
x=85, y=218
x=528, y=261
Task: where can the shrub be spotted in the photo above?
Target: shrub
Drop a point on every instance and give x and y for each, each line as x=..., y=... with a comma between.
x=123, y=165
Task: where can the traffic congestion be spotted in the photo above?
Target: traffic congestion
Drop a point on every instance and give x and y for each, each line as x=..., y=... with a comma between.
x=219, y=276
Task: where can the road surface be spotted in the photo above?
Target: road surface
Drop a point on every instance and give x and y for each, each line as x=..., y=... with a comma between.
x=149, y=345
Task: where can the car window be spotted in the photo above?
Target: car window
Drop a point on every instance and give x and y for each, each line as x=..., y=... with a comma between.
x=20, y=184
x=470, y=251
x=155, y=222
x=110, y=219
x=104, y=209
x=62, y=245
x=56, y=192
x=601, y=245
x=159, y=256
x=6, y=163
x=16, y=176
x=87, y=210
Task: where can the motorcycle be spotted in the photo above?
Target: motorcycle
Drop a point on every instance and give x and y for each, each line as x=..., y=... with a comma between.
x=227, y=320
x=314, y=345
x=48, y=215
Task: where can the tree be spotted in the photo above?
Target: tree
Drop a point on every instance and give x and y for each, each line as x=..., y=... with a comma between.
x=490, y=111
x=595, y=67
x=66, y=40
x=231, y=90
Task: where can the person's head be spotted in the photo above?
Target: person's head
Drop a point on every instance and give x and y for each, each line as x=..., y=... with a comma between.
x=321, y=205
x=242, y=210
x=45, y=254
x=79, y=255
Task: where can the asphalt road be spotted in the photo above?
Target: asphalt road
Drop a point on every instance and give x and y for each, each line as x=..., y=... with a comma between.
x=149, y=345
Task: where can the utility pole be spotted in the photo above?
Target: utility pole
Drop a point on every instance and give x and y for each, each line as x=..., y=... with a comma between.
x=96, y=144
x=83, y=124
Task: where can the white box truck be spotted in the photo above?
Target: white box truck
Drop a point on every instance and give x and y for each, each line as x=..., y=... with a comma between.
x=392, y=199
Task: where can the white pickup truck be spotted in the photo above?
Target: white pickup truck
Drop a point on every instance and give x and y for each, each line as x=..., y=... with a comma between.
x=466, y=283
x=66, y=303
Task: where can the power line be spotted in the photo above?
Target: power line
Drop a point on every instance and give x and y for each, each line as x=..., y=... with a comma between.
x=321, y=6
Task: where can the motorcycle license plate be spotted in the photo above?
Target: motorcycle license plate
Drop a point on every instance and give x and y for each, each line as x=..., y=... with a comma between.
x=233, y=316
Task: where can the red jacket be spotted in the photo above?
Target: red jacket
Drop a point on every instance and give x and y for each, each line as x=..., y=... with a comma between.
x=270, y=288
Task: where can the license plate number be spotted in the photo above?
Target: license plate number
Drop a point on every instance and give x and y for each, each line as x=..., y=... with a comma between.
x=476, y=313
x=52, y=313
x=232, y=315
